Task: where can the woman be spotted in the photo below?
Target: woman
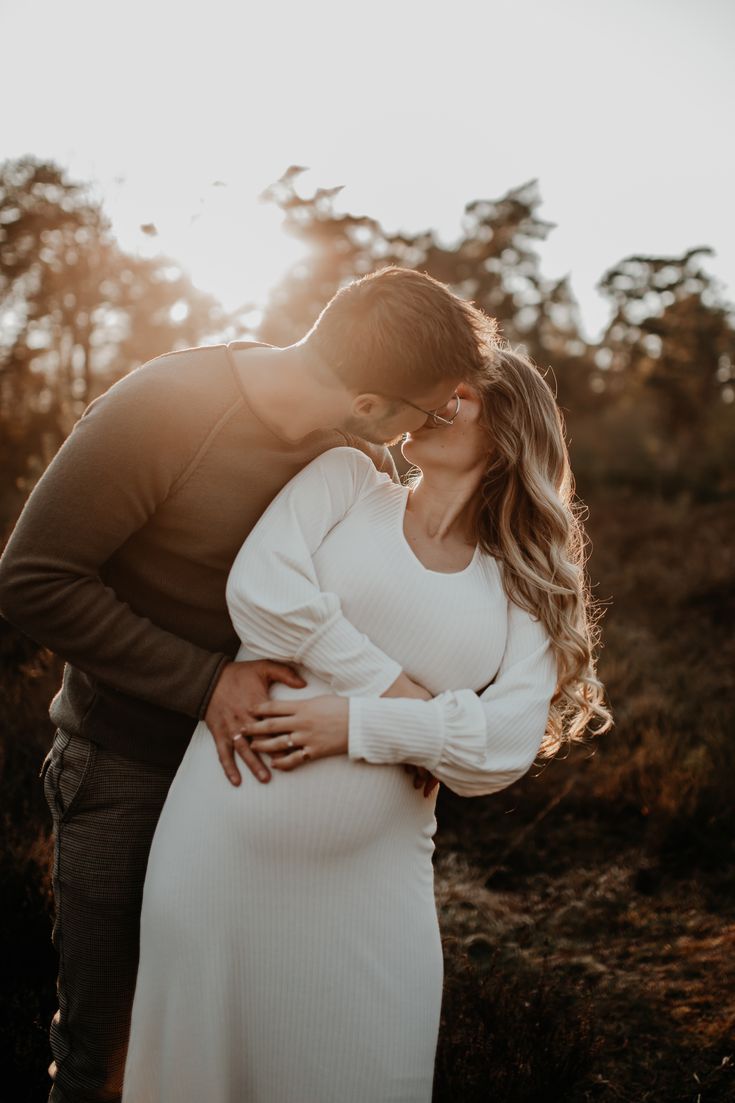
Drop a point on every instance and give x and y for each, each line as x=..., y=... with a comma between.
x=290, y=948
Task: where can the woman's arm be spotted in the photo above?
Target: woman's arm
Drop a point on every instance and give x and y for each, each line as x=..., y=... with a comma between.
x=475, y=745
x=273, y=594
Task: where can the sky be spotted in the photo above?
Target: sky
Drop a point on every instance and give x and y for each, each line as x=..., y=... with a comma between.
x=623, y=111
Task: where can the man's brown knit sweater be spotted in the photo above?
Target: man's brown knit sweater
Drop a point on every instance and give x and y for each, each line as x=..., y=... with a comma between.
x=119, y=560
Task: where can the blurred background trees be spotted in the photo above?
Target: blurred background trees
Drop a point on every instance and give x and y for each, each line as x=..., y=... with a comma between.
x=77, y=313
x=649, y=407
x=628, y=886
x=669, y=350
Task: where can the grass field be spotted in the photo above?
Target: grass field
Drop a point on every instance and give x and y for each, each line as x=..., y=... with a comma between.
x=588, y=912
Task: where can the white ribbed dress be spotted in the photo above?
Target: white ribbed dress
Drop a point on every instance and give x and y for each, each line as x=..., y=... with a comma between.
x=290, y=949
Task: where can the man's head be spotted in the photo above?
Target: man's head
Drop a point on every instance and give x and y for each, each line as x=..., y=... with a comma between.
x=396, y=343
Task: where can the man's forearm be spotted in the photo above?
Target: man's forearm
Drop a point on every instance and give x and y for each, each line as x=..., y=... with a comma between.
x=83, y=622
x=118, y=464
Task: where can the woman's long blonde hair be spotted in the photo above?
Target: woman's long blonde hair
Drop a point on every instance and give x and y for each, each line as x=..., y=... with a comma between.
x=529, y=519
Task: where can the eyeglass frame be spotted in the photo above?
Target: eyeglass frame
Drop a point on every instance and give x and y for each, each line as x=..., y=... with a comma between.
x=437, y=418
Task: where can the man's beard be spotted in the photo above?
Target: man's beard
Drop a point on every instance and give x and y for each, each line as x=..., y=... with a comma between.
x=371, y=432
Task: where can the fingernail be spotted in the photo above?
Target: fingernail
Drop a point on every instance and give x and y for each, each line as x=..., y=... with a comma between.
x=263, y=776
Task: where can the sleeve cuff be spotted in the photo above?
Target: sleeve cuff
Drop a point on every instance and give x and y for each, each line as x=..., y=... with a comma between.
x=396, y=730
x=204, y=704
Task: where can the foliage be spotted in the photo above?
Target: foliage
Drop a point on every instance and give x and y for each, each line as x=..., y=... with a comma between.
x=78, y=313
x=509, y=1032
x=649, y=406
x=649, y=411
x=671, y=347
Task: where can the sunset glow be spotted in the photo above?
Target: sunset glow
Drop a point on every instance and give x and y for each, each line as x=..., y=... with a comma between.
x=416, y=110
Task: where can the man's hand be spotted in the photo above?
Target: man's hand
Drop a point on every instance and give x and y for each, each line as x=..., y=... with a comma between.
x=422, y=776
x=240, y=687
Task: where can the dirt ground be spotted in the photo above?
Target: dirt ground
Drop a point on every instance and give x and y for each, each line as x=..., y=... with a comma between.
x=644, y=951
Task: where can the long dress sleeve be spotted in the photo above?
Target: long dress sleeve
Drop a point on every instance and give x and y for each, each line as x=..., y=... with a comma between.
x=474, y=744
x=273, y=593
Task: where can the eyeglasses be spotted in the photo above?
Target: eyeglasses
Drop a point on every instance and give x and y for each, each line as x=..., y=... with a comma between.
x=438, y=419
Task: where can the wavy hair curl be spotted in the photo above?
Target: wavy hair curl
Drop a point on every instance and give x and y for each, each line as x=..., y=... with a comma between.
x=530, y=520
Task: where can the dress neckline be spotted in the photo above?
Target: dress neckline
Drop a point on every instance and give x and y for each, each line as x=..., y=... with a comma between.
x=403, y=500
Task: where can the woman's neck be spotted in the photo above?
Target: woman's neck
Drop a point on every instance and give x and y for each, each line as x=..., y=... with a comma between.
x=443, y=506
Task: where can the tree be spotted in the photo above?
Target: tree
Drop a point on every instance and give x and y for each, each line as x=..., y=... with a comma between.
x=493, y=263
x=342, y=247
x=78, y=312
x=670, y=344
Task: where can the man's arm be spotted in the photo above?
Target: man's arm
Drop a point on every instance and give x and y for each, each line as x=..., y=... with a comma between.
x=475, y=745
x=121, y=460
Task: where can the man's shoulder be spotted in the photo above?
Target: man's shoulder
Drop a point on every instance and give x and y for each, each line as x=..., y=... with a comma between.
x=193, y=381
x=201, y=366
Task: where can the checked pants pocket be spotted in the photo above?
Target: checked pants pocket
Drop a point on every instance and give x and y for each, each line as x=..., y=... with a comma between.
x=65, y=770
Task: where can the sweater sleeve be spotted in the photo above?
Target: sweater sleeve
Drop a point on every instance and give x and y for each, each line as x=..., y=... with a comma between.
x=273, y=594
x=475, y=744
x=121, y=460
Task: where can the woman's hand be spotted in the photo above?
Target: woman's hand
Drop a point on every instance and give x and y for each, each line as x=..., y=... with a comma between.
x=317, y=727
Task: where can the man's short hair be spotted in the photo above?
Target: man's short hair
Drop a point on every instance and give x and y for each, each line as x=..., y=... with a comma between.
x=398, y=331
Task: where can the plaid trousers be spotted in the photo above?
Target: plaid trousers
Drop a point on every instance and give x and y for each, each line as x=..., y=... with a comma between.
x=104, y=809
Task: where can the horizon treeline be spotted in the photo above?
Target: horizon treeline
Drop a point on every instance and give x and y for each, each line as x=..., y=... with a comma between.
x=649, y=407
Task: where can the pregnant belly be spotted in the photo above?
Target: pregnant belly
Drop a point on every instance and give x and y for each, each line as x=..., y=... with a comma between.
x=328, y=807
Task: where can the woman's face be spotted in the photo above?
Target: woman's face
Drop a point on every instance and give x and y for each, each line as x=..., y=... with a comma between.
x=459, y=447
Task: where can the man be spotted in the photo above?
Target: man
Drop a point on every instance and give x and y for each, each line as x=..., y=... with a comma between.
x=119, y=562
